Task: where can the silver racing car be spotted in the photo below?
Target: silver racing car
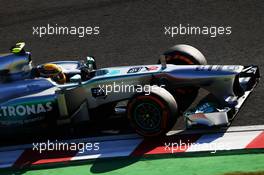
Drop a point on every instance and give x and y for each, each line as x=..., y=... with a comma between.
x=72, y=92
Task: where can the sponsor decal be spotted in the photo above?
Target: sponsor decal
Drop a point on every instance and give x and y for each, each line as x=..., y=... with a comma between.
x=134, y=69
x=217, y=68
x=24, y=110
x=98, y=92
x=114, y=72
x=152, y=68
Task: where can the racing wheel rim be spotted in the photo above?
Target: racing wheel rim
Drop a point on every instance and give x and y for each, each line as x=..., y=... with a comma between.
x=148, y=116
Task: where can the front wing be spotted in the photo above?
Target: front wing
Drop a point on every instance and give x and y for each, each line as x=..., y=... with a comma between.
x=211, y=113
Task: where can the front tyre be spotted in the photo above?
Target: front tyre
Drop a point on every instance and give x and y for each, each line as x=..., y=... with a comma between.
x=153, y=114
x=183, y=54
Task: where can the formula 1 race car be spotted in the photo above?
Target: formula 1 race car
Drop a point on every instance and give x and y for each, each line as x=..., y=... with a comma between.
x=157, y=94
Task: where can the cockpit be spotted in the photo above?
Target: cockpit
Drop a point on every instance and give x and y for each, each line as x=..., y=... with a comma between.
x=16, y=66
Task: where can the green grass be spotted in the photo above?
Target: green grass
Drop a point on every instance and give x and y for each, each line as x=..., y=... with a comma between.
x=210, y=165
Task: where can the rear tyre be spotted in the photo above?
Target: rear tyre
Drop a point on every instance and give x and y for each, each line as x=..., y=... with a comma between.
x=154, y=114
x=184, y=55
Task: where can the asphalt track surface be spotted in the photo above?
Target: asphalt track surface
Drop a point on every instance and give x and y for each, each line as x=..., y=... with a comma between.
x=132, y=33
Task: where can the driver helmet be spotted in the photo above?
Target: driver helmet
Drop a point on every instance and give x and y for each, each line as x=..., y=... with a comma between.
x=52, y=71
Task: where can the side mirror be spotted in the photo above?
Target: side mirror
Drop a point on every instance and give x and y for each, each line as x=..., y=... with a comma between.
x=76, y=79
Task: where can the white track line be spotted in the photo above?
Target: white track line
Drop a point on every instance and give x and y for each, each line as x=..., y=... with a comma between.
x=135, y=136
x=7, y=159
x=223, y=141
x=118, y=148
x=80, y=140
x=220, y=130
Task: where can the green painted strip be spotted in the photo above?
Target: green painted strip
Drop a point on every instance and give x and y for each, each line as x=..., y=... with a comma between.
x=210, y=165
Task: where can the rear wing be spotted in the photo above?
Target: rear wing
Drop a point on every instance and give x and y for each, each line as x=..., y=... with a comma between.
x=15, y=65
